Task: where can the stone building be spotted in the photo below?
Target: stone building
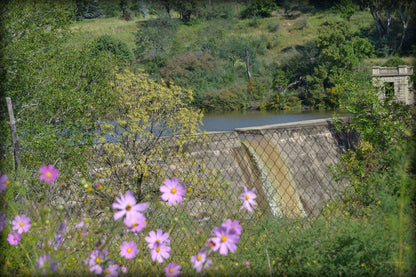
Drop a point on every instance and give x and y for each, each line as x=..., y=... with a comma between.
x=395, y=82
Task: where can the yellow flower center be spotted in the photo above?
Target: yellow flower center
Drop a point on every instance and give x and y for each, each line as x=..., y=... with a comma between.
x=128, y=207
x=198, y=258
x=171, y=270
x=157, y=249
x=7, y=182
x=223, y=238
x=97, y=260
x=173, y=191
x=22, y=224
x=48, y=174
x=107, y=271
x=134, y=224
x=128, y=250
x=247, y=197
x=211, y=244
x=157, y=241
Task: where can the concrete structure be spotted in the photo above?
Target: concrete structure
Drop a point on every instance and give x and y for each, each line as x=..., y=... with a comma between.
x=288, y=165
x=396, y=81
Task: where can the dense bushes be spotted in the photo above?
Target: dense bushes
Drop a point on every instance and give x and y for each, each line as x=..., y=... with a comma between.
x=118, y=48
x=259, y=8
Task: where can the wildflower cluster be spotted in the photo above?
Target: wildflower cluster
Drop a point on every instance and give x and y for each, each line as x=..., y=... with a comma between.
x=224, y=239
x=22, y=223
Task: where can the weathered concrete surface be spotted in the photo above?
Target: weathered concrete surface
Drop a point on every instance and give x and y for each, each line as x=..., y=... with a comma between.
x=294, y=156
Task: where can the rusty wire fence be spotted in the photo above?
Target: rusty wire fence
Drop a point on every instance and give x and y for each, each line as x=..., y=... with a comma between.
x=288, y=167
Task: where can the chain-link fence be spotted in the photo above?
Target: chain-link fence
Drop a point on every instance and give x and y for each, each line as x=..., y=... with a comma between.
x=288, y=167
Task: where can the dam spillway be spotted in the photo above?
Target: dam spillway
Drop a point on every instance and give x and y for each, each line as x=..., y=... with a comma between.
x=287, y=164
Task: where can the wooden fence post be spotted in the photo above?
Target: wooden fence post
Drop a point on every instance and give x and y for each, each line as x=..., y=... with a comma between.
x=16, y=145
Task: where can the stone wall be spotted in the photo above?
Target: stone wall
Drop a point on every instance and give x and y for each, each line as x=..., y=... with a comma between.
x=400, y=77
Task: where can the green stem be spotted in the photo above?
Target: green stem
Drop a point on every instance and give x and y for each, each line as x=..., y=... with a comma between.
x=401, y=218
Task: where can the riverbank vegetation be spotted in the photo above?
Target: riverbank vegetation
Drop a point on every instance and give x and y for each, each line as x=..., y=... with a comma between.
x=71, y=68
x=267, y=55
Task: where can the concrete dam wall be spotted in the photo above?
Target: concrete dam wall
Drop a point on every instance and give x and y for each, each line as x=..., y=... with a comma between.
x=288, y=164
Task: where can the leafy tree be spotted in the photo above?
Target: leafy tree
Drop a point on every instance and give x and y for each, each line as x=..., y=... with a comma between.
x=185, y=8
x=146, y=112
x=340, y=51
x=386, y=13
x=125, y=13
x=346, y=8
x=58, y=92
x=116, y=47
x=93, y=10
x=81, y=7
x=259, y=8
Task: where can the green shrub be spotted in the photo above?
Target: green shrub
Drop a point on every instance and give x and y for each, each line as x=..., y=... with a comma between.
x=261, y=8
x=394, y=61
x=217, y=11
x=228, y=99
x=116, y=47
x=273, y=27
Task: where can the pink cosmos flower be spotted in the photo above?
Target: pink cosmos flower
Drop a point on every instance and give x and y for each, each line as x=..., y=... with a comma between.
x=248, y=197
x=128, y=249
x=160, y=252
x=233, y=225
x=173, y=270
x=48, y=173
x=136, y=222
x=200, y=260
x=247, y=264
x=2, y=221
x=112, y=270
x=173, y=191
x=96, y=260
x=225, y=240
x=124, y=269
x=13, y=238
x=21, y=223
x=126, y=204
x=156, y=238
x=210, y=243
x=4, y=182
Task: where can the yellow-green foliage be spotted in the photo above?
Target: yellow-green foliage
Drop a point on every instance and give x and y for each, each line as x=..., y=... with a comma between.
x=155, y=122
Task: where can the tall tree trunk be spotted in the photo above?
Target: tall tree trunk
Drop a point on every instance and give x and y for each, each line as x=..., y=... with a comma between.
x=405, y=23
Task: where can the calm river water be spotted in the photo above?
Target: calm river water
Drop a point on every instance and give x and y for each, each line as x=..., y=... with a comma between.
x=232, y=120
